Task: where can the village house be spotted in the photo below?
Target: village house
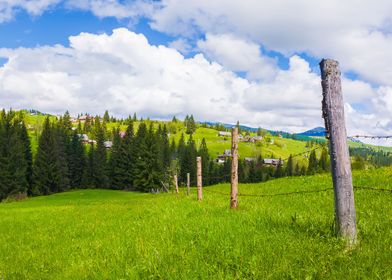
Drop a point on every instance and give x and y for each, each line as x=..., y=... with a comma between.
x=84, y=138
x=85, y=117
x=249, y=159
x=224, y=133
x=222, y=158
x=252, y=139
x=272, y=161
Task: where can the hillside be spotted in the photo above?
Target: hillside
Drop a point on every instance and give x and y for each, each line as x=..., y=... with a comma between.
x=273, y=146
x=91, y=234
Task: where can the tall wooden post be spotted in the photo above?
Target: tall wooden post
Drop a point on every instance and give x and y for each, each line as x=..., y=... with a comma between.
x=234, y=168
x=175, y=179
x=333, y=114
x=199, y=179
x=188, y=183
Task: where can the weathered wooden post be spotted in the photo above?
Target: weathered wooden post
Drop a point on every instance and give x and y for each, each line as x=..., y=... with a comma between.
x=234, y=168
x=175, y=181
x=188, y=183
x=199, y=179
x=333, y=114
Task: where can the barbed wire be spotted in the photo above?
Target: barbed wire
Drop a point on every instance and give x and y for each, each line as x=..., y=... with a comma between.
x=371, y=136
x=372, y=189
x=368, y=136
x=296, y=192
x=303, y=153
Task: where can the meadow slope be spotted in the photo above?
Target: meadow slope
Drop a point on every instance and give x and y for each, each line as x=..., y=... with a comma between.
x=104, y=234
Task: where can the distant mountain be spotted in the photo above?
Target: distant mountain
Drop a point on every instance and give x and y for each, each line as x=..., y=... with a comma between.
x=318, y=131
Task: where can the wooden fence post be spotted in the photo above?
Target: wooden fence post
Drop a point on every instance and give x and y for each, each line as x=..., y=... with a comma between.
x=333, y=114
x=188, y=183
x=234, y=168
x=199, y=179
x=175, y=179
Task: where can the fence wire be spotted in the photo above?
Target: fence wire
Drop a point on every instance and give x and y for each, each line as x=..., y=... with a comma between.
x=294, y=193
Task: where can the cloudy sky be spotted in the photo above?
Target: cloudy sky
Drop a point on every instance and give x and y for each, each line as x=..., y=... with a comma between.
x=255, y=61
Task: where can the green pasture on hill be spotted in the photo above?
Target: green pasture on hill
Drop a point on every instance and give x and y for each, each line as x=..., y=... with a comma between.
x=104, y=234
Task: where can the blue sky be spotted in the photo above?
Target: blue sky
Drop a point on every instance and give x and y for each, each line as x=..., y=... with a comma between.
x=257, y=63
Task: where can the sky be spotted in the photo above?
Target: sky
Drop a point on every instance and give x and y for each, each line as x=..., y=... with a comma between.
x=252, y=61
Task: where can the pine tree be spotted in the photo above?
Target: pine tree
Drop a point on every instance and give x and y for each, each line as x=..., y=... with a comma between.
x=323, y=162
x=28, y=156
x=205, y=159
x=149, y=167
x=77, y=161
x=13, y=164
x=290, y=166
x=279, y=170
x=101, y=179
x=106, y=117
x=188, y=161
x=165, y=147
x=48, y=172
x=313, y=164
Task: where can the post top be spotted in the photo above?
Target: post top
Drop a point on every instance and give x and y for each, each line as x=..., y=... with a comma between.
x=327, y=62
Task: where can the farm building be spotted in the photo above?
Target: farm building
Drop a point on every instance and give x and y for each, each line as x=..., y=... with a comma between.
x=84, y=138
x=249, y=159
x=222, y=158
x=272, y=161
x=224, y=133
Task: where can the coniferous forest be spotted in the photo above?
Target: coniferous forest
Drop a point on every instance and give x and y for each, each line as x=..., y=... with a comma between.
x=143, y=158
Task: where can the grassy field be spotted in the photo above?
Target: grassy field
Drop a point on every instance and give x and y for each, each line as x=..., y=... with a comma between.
x=103, y=234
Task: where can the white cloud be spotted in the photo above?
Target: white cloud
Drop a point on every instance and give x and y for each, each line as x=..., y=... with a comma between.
x=8, y=8
x=128, y=9
x=357, y=34
x=123, y=73
x=238, y=55
x=181, y=45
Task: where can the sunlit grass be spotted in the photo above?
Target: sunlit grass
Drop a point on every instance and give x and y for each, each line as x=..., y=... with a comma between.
x=103, y=234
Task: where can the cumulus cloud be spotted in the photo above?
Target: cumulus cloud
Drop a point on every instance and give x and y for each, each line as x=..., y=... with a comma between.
x=124, y=73
x=239, y=55
x=358, y=35
x=8, y=8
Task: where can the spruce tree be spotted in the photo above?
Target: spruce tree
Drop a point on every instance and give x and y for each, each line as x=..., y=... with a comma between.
x=106, y=117
x=77, y=161
x=205, y=159
x=323, y=162
x=28, y=155
x=313, y=164
x=149, y=171
x=101, y=179
x=48, y=171
x=290, y=166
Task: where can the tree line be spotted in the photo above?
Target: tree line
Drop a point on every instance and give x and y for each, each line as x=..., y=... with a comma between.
x=141, y=159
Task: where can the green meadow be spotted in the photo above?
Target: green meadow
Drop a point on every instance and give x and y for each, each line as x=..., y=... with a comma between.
x=105, y=234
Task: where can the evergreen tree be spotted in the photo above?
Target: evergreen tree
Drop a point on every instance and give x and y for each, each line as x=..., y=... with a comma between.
x=313, y=164
x=165, y=147
x=205, y=159
x=28, y=156
x=13, y=163
x=279, y=170
x=106, y=117
x=77, y=161
x=149, y=171
x=101, y=179
x=290, y=166
x=323, y=162
x=48, y=172
x=188, y=161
